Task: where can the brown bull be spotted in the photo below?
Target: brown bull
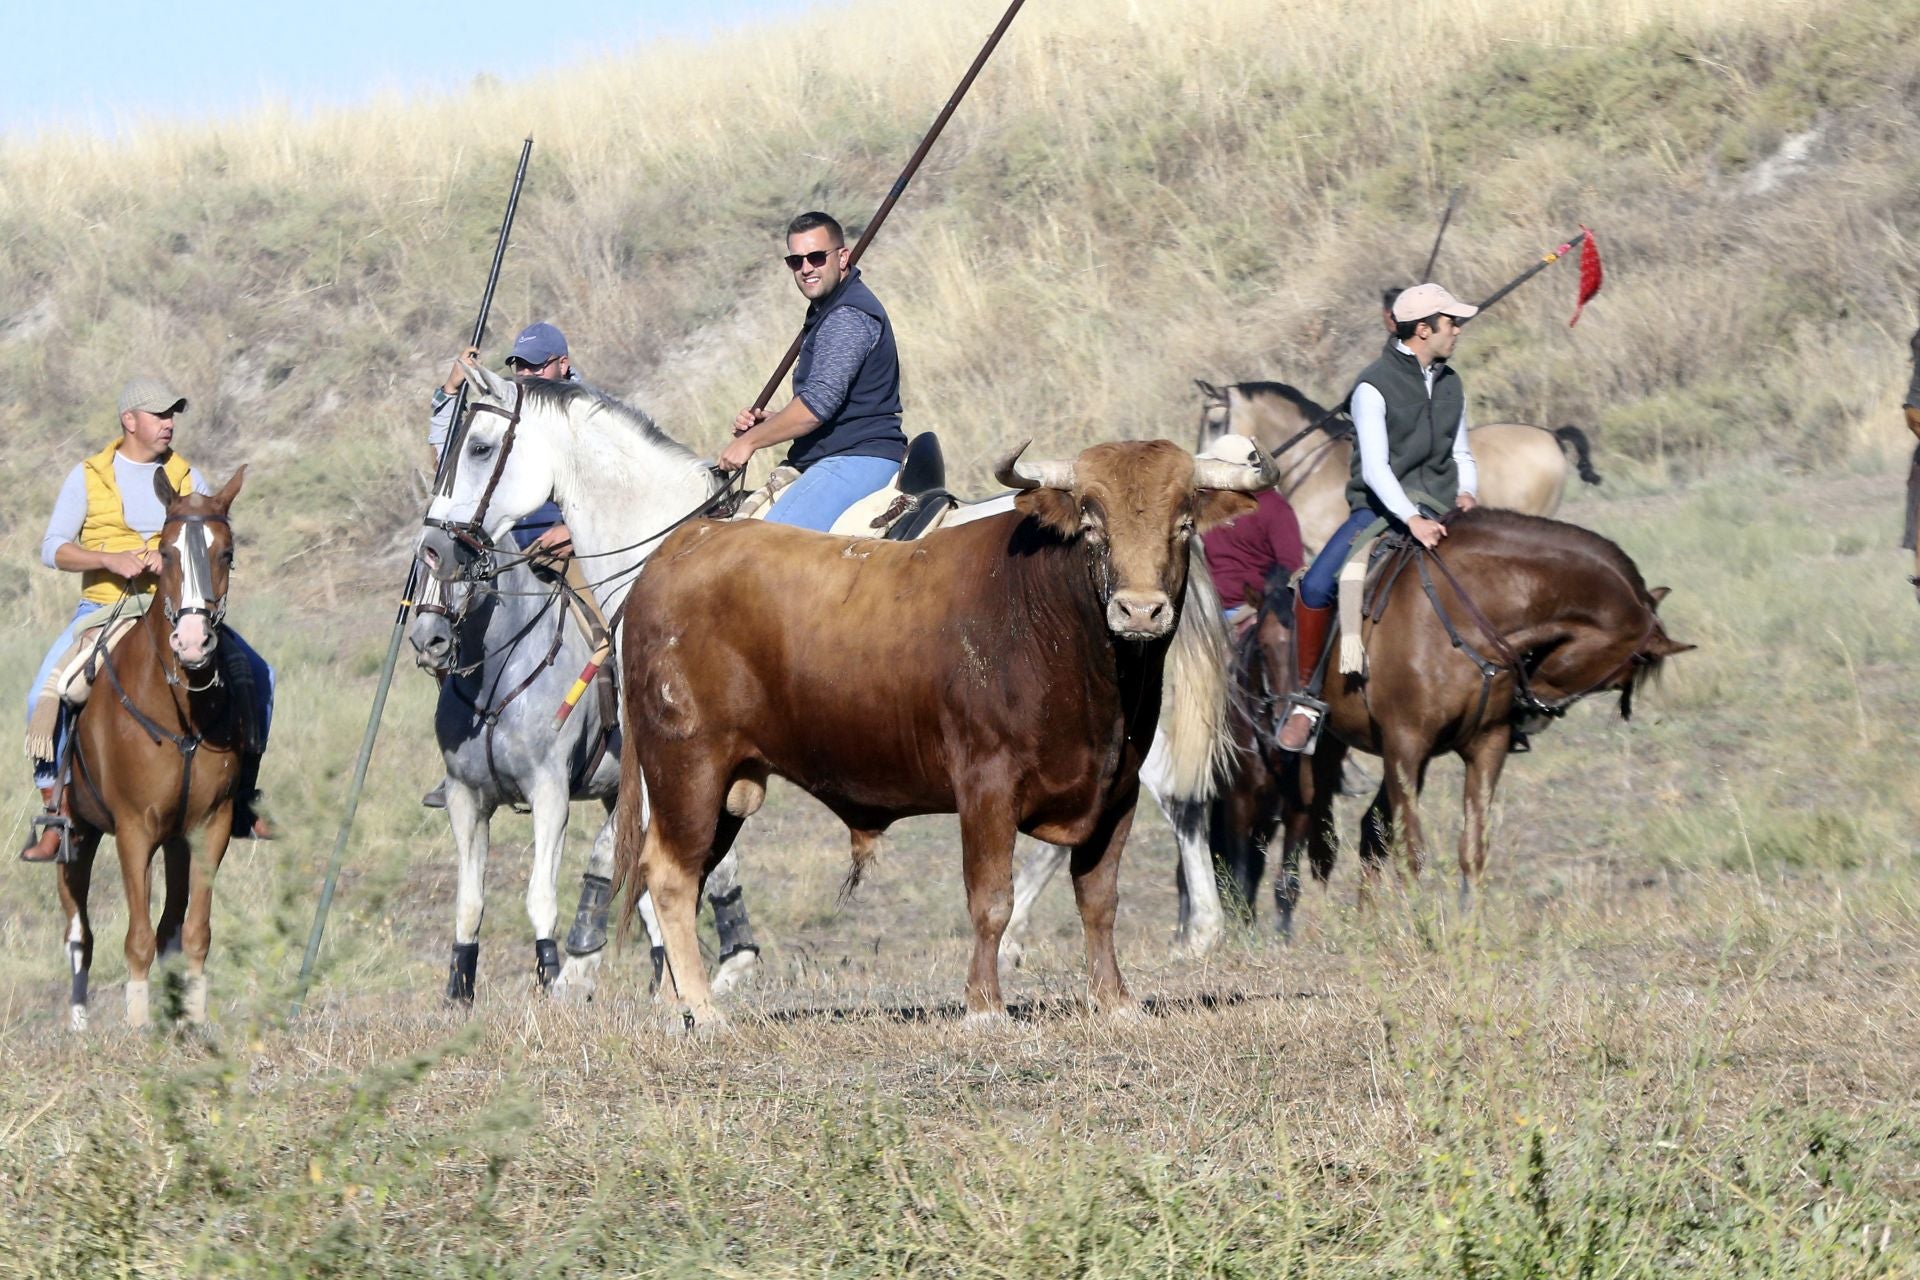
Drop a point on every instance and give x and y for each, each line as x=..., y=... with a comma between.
x=1008, y=670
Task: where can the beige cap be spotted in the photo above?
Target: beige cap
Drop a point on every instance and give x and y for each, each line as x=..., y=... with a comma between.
x=155, y=395
x=1430, y=299
x=1240, y=451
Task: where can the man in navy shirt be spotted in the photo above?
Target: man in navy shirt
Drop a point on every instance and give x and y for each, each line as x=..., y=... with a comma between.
x=844, y=418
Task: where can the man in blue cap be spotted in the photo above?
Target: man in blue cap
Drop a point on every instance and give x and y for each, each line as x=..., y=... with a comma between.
x=539, y=352
x=844, y=418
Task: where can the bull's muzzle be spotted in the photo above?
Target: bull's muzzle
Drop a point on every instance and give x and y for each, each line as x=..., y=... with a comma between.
x=1140, y=615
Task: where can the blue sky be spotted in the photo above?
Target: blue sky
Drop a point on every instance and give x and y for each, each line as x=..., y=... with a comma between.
x=99, y=64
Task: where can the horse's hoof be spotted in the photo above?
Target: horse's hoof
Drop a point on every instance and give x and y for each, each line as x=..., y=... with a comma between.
x=579, y=979
x=1125, y=1013
x=1012, y=951
x=546, y=962
x=1198, y=942
x=735, y=970
x=988, y=1020
x=77, y=1018
x=461, y=972
x=137, y=1013
x=196, y=1001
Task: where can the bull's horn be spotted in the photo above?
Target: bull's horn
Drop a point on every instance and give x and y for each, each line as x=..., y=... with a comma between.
x=1211, y=473
x=1035, y=475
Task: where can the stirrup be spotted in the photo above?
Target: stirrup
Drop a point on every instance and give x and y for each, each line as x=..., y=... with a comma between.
x=45, y=822
x=1316, y=712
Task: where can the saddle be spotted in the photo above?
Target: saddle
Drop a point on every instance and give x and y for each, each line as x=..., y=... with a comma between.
x=913, y=505
x=74, y=674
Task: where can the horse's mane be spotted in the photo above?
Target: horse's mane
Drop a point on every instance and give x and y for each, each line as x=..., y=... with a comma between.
x=1535, y=534
x=1292, y=394
x=563, y=396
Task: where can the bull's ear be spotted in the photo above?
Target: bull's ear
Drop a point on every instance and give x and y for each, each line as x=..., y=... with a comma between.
x=163, y=488
x=231, y=489
x=1213, y=507
x=1053, y=508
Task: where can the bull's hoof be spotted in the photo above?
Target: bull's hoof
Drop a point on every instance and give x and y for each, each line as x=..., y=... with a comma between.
x=1012, y=951
x=735, y=970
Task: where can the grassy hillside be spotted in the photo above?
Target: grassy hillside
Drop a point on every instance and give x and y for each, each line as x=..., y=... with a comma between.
x=1678, y=1032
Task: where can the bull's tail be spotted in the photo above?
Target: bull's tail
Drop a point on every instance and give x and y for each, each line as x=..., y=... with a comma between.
x=1193, y=714
x=1574, y=438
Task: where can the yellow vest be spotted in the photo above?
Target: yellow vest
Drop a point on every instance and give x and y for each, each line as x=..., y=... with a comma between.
x=105, y=527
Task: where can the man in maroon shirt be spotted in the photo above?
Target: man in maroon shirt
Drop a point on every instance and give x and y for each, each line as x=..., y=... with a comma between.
x=1243, y=552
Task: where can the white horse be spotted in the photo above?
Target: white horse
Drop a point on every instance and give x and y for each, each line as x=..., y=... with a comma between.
x=634, y=481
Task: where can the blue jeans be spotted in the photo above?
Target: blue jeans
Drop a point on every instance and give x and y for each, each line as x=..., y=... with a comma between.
x=43, y=770
x=534, y=523
x=1322, y=581
x=826, y=489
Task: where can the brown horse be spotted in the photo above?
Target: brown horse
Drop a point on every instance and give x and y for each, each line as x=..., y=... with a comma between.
x=1522, y=467
x=1513, y=620
x=156, y=752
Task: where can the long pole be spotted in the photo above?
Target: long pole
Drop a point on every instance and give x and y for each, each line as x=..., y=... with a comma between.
x=1426, y=272
x=900, y=185
x=400, y=616
x=1547, y=259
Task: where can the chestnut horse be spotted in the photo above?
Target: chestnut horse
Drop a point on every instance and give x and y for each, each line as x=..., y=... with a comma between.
x=1522, y=467
x=1510, y=622
x=154, y=753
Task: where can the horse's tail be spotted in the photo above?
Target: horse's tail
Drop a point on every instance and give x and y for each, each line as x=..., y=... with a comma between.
x=629, y=839
x=1193, y=716
x=1573, y=437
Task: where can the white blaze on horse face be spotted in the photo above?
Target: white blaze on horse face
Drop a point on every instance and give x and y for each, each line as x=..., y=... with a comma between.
x=193, y=633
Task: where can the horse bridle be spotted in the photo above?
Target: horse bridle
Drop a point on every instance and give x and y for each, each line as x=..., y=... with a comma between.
x=471, y=534
x=215, y=611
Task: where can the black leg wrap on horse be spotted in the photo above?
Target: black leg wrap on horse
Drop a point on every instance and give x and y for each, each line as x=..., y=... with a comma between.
x=659, y=956
x=77, y=962
x=466, y=961
x=731, y=923
x=546, y=960
x=589, y=932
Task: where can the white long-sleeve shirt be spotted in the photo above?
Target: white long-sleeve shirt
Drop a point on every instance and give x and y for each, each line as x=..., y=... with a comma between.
x=1368, y=408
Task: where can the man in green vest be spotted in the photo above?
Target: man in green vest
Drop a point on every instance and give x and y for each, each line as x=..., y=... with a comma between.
x=1411, y=461
x=104, y=527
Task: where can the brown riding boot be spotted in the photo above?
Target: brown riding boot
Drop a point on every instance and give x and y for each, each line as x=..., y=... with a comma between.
x=47, y=847
x=1310, y=627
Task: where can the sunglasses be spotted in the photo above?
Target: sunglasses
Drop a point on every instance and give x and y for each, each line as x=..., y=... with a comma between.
x=818, y=258
x=523, y=366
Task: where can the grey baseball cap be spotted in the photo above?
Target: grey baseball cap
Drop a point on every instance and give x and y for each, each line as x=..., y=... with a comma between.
x=155, y=395
x=537, y=344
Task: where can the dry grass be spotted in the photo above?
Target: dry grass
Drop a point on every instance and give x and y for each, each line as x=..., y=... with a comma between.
x=1676, y=1034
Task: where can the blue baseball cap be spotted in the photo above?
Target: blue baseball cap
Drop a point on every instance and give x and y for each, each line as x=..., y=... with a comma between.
x=538, y=344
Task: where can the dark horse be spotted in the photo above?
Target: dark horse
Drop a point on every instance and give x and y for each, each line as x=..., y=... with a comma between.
x=154, y=753
x=1513, y=620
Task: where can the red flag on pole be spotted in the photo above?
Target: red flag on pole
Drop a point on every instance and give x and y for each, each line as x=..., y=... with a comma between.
x=1590, y=275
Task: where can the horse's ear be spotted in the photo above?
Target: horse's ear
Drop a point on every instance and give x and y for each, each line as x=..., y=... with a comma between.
x=231, y=489
x=1660, y=646
x=1210, y=391
x=486, y=381
x=1659, y=594
x=163, y=488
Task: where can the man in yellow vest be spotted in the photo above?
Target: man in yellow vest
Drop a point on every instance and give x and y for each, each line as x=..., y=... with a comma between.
x=104, y=526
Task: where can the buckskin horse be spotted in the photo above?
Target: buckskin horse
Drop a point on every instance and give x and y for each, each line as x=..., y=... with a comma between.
x=155, y=753
x=1512, y=620
x=1522, y=467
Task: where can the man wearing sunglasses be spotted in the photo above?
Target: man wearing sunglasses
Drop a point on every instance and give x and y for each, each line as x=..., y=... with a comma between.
x=844, y=417
x=539, y=352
